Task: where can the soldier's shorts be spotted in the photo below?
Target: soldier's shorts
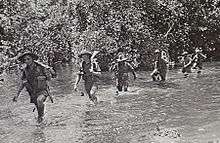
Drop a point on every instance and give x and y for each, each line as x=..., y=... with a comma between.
x=91, y=87
x=122, y=81
x=33, y=97
x=163, y=75
x=186, y=70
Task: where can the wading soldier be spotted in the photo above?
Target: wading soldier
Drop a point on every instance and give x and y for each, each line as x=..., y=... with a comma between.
x=89, y=72
x=121, y=69
x=187, y=64
x=160, y=67
x=34, y=78
x=198, y=59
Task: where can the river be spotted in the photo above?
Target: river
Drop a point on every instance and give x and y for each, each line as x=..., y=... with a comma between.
x=181, y=110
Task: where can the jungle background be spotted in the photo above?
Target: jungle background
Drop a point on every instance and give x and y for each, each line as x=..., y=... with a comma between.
x=138, y=27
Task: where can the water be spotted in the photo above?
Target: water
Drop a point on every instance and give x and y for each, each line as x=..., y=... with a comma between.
x=182, y=110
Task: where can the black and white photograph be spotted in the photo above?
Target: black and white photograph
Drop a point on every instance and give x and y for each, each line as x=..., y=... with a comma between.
x=109, y=71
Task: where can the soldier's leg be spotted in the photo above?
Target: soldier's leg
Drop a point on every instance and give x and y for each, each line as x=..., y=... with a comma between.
x=163, y=75
x=199, y=68
x=93, y=92
x=40, y=106
x=125, y=82
x=187, y=71
x=154, y=75
x=88, y=87
x=81, y=88
x=126, y=85
x=119, y=84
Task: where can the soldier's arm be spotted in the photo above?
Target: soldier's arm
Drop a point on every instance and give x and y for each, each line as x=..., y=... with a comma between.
x=132, y=70
x=204, y=56
x=134, y=74
x=189, y=63
x=156, y=65
x=97, y=73
x=96, y=70
x=194, y=58
x=78, y=78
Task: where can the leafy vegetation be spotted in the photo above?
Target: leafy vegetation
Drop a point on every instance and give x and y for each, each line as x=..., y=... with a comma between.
x=137, y=27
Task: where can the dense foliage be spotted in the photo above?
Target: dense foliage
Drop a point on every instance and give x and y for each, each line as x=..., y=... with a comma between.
x=138, y=27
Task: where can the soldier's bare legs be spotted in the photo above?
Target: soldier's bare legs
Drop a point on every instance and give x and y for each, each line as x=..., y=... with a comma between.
x=125, y=85
x=163, y=75
x=91, y=89
x=199, y=68
x=119, y=84
x=40, y=107
x=154, y=75
x=93, y=92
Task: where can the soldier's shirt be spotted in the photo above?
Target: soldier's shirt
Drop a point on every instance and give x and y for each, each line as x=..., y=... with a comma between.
x=32, y=74
x=186, y=60
x=87, y=75
x=161, y=65
x=122, y=67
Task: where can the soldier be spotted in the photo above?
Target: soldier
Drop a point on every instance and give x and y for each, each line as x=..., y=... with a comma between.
x=198, y=59
x=34, y=78
x=187, y=64
x=89, y=72
x=121, y=68
x=160, y=67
